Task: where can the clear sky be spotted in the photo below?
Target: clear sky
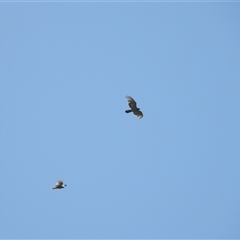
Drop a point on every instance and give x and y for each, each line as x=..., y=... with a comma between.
x=65, y=71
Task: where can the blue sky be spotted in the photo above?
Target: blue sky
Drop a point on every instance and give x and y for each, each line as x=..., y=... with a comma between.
x=65, y=71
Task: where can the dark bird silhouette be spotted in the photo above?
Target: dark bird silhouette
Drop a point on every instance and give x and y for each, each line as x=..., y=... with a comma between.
x=59, y=185
x=133, y=105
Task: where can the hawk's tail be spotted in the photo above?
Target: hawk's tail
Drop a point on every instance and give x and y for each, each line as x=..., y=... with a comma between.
x=128, y=111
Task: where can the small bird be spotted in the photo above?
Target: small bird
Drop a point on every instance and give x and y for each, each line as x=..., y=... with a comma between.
x=59, y=185
x=133, y=105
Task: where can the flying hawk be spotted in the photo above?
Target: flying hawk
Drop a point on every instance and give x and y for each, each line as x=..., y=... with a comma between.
x=59, y=185
x=133, y=105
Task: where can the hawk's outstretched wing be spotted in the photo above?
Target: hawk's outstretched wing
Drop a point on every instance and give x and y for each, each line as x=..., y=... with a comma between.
x=131, y=102
x=138, y=113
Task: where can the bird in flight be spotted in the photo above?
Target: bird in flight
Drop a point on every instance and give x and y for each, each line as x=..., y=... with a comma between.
x=59, y=185
x=133, y=105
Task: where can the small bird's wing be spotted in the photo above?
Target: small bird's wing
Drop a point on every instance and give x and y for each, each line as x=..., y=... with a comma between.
x=131, y=102
x=139, y=114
